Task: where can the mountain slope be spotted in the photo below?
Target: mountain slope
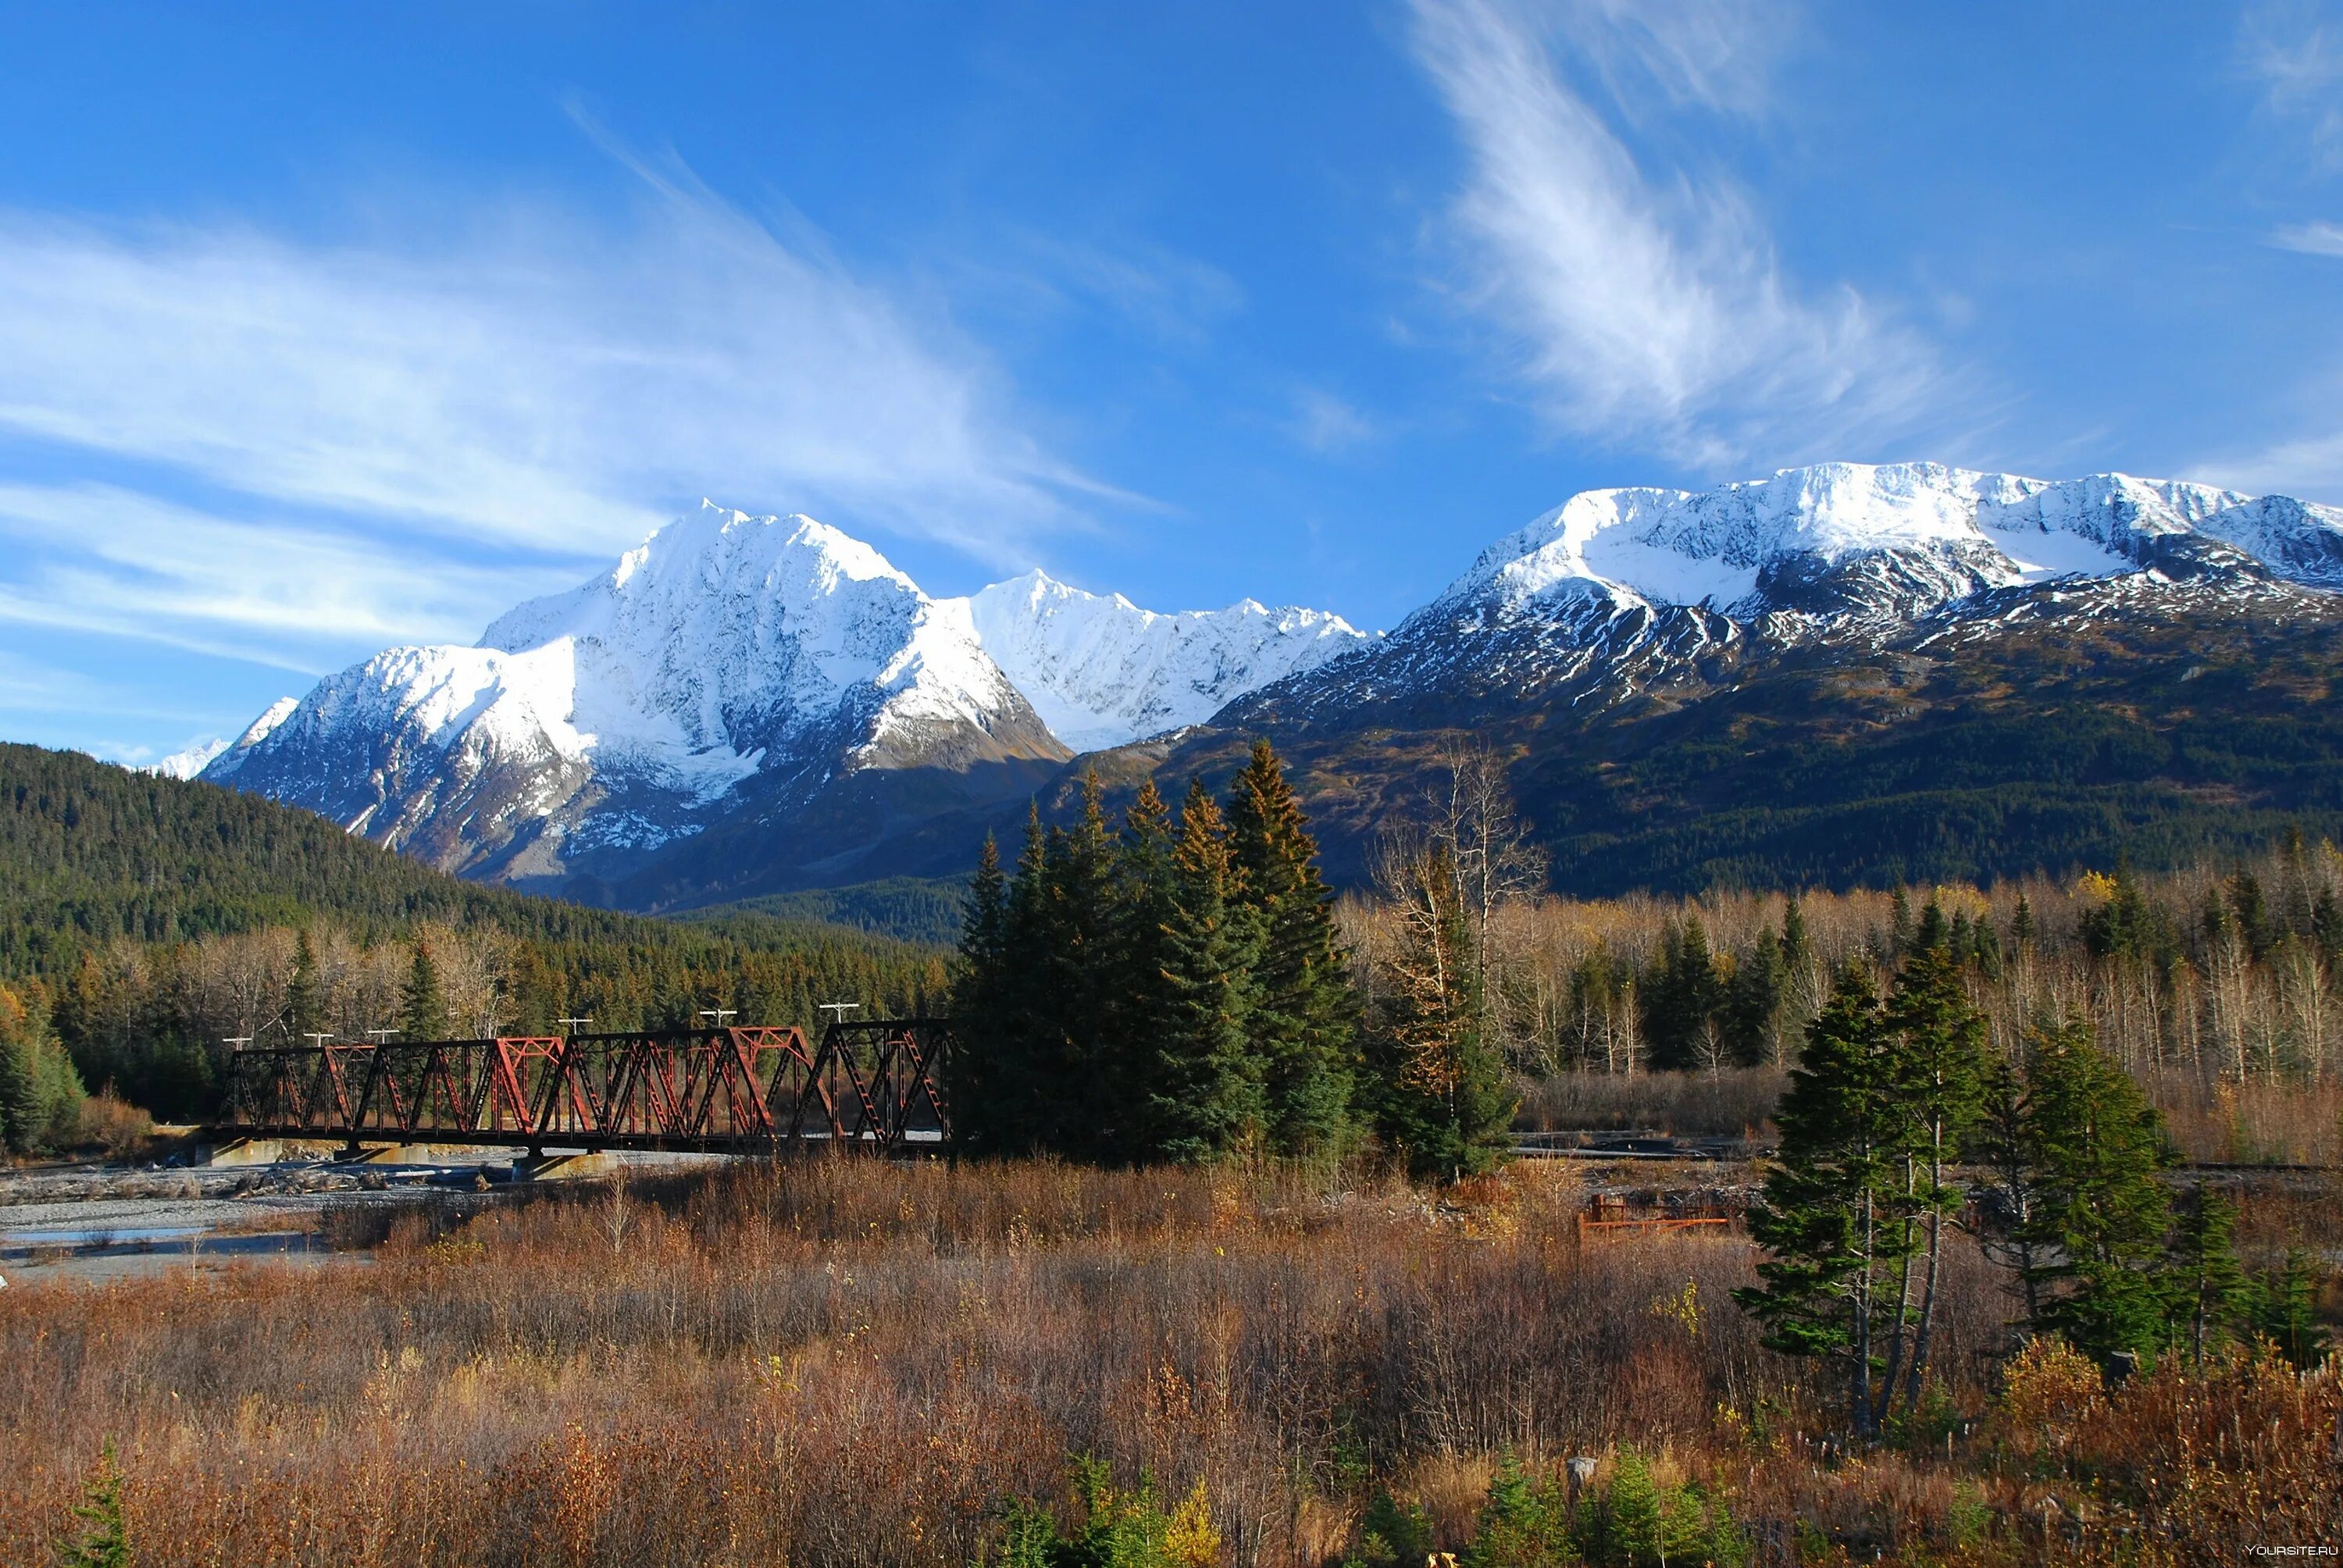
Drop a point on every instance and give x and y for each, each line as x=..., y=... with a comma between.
x=91, y=854
x=1617, y=591
x=1853, y=674
x=750, y=707
x=730, y=662
x=741, y=706
x=1104, y=672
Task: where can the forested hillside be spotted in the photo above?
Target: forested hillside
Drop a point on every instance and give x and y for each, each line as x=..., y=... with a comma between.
x=910, y=908
x=146, y=919
x=2053, y=745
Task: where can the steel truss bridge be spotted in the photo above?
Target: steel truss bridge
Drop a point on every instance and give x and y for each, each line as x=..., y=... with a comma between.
x=871, y=1086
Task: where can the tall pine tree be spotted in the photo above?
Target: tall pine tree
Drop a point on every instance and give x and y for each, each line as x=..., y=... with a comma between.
x=303, y=1010
x=1079, y=957
x=1828, y=1217
x=1204, y=1095
x=423, y=1006
x=2095, y=1220
x=1935, y=1080
x=982, y=1063
x=1305, y=1017
x=2209, y=1290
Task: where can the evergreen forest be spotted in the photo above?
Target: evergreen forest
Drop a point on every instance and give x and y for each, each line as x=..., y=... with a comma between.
x=1173, y=987
x=145, y=921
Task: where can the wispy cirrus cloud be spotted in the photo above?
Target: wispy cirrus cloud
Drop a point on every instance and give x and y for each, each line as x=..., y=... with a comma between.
x=2294, y=50
x=2311, y=238
x=1647, y=304
x=514, y=390
x=295, y=596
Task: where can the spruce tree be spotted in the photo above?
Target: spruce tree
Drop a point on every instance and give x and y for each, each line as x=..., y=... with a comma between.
x=1826, y=1217
x=2209, y=1289
x=1936, y=1082
x=1080, y=996
x=302, y=1007
x=20, y=1114
x=1305, y=1017
x=1204, y=1095
x=2326, y=927
x=2101, y=1214
x=2014, y=1237
x=102, y=1539
x=1029, y=1072
x=423, y=1008
x=1149, y=913
x=2285, y=1308
x=1755, y=999
x=1683, y=996
x=1802, y=995
x=981, y=1044
x=2251, y=912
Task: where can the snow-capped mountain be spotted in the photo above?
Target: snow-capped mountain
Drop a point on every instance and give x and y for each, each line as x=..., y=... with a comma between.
x=1104, y=672
x=188, y=763
x=1617, y=588
x=748, y=703
x=735, y=670
x=630, y=711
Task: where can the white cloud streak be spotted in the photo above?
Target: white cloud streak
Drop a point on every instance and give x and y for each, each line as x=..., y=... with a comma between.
x=2311, y=238
x=1327, y=425
x=2294, y=49
x=2309, y=467
x=99, y=558
x=1649, y=308
x=535, y=384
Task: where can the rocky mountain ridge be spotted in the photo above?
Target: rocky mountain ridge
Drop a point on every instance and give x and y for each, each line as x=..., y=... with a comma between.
x=744, y=705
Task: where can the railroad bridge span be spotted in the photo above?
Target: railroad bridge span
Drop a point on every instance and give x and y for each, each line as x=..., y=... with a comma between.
x=872, y=1085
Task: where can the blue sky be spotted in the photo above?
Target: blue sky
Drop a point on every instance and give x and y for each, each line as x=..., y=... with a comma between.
x=328, y=328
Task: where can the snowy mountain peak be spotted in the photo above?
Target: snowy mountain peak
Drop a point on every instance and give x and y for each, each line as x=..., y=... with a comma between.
x=187, y=764
x=1617, y=591
x=225, y=761
x=1102, y=672
x=624, y=713
x=1950, y=531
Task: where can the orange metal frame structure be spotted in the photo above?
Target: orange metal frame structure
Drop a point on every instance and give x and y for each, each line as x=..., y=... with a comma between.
x=872, y=1085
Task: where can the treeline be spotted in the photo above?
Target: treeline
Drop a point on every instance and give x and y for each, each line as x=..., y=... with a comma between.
x=2225, y=972
x=909, y=909
x=145, y=921
x=1172, y=988
x=1894, y=1086
x=90, y=852
x=40, y=1095
x=153, y=1019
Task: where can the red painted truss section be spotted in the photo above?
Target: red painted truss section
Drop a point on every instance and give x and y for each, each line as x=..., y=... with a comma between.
x=872, y=1085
